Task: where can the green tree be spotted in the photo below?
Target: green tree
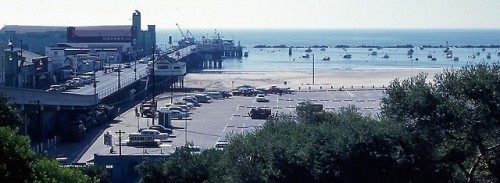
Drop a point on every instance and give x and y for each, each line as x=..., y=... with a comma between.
x=455, y=118
x=9, y=116
x=18, y=163
x=15, y=156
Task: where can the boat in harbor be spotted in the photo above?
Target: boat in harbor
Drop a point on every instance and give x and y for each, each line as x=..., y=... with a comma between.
x=308, y=50
x=347, y=56
x=488, y=56
x=434, y=59
x=326, y=59
x=385, y=56
x=305, y=56
x=455, y=59
x=410, y=52
x=245, y=54
x=429, y=56
x=322, y=49
x=374, y=53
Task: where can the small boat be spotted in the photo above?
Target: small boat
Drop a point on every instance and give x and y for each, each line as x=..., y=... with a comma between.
x=478, y=53
x=410, y=52
x=488, y=56
x=455, y=59
x=305, y=56
x=245, y=54
x=374, y=53
x=434, y=59
x=449, y=55
x=429, y=56
x=326, y=59
x=385, y=56
x=369, y=49
x=322, y=49
x=498, y=53
x=309, y=50
x=483, y=49
x=347, y=56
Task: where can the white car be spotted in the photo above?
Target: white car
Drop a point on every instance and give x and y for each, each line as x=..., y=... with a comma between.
x=220, y=145
x=214, y=95
x=261, y=98
x=194, y=149
x=155, y=133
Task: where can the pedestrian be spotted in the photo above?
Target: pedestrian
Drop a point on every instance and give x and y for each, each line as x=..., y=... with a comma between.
x=136, y=112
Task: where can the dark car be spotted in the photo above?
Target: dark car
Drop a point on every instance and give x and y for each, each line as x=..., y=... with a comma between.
x=161, y=129
x=225, y=94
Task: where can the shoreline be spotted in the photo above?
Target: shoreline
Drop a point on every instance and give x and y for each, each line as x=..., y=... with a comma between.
x=226, y=80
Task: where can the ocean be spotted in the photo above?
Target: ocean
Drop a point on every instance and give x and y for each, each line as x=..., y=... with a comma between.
x=277, y=59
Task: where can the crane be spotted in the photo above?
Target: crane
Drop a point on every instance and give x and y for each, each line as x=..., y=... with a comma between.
x=180, y=30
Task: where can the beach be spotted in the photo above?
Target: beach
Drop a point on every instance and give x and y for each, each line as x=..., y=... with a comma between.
x=214, y=81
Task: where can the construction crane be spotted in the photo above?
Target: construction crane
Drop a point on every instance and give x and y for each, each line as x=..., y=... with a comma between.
x=187, y=40
x=180, y=30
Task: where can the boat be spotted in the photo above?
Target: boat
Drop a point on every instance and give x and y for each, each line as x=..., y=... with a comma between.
x=305, y=56
x=455, y=59
x=309, y=50
x=326, y=59
x=488, y=56
x=434, y=59
x=245, y=54
x=369, y=49
x=429, y=56
x=498, y=53
x=483, y=49
x=322, y=49
x=449, y=55
x=385, y=56
x=374, y=53
x=410, y=52
x=347, y=56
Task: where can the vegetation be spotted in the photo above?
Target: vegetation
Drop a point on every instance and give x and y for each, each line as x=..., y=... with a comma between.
x=18, y=163
x=447, y=130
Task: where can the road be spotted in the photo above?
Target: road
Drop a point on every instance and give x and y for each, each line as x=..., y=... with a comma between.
x=216, y=120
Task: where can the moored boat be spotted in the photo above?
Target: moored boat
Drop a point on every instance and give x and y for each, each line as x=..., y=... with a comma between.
x=347, y=56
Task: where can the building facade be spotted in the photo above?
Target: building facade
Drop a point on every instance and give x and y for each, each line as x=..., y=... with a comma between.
x=36, y=38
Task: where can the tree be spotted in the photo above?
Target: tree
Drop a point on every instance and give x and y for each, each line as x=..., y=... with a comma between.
x=18, y=162
x=456, y=117
x=9, y=116
x=15, y=156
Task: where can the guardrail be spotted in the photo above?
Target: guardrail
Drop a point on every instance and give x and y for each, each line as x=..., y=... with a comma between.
x=123, y=83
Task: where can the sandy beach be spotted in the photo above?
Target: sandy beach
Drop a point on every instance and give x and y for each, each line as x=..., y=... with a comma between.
x=337, y=78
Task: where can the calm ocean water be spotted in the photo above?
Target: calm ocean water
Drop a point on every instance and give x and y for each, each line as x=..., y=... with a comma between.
x=275, y=59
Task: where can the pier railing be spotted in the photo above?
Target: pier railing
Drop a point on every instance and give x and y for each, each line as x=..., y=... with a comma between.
x=123, y=83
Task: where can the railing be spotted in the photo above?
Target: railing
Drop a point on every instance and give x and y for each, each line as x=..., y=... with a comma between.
x=123, y=83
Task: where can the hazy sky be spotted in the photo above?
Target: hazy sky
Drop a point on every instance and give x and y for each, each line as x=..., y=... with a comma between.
x=257, y=13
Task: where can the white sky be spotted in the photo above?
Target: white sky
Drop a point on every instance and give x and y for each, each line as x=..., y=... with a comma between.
x=433, y=14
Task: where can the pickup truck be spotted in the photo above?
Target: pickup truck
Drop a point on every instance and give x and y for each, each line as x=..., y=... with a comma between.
x=147, y=109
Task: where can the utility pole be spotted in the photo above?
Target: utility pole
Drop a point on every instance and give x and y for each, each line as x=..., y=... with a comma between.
x=120, y=133
x=40, y=126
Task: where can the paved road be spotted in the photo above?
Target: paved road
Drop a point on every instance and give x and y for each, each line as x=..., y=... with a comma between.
x=215, y=120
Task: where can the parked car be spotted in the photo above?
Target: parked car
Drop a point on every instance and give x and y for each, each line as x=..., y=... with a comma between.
x=56, y=88
x=160, y=128
x=194, y=149
x=261, y=98
x=192, y=100
x=175, y=113
x=225, y=94
x=221, y=145
x=141, y=61
x=127, y=65
x=155, y=133
x=202, y=98
x=214, y=95
x=178, y=114
x=184, y=103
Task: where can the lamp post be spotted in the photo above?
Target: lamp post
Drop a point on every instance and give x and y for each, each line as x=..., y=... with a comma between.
x=313, y=68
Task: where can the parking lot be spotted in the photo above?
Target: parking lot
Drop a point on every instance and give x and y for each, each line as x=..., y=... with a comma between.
x=215, y=120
